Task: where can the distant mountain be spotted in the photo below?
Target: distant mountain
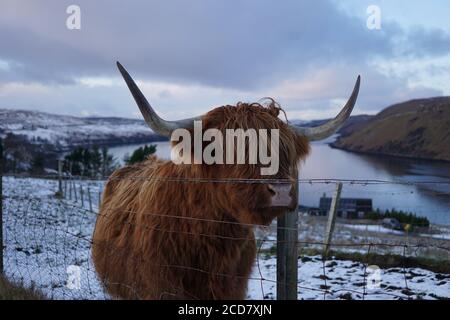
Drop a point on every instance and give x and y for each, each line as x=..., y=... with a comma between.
x=416, y=128
x=65, y=132
x=297, y=122
x=352, y=123
x=60, y=132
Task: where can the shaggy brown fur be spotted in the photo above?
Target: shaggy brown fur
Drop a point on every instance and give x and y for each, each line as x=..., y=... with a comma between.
x=157, y=237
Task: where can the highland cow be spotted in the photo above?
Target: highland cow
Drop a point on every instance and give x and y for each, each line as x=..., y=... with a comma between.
x=185, y=231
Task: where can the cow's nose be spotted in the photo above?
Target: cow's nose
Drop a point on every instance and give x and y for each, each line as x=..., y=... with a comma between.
x=281, y=194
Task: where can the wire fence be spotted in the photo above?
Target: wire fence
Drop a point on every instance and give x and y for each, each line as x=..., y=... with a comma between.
x=48, y=223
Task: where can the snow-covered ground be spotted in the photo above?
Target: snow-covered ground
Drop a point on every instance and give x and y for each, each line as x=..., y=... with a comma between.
x=374, y=228
x=336, y=279
x=48, y=243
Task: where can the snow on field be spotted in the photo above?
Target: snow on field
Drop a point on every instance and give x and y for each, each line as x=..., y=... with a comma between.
x=443, y=232
x=438, y=236
x=345, y=280
x=374, y=228
x=48, y=242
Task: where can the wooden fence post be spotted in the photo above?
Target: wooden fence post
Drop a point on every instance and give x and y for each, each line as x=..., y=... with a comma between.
x=74, y=187
x=89, y=198
x=70, y=179
x=70, y=187
x=81, y=195
x=331, y=219
x=60, y=188
x=1, y=208
x=287, y=254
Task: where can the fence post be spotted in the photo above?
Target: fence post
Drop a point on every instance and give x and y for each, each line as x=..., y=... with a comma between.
x=70, y=187
x=331, y=219
x=81, y=195
x=60, y=188
x=89, y=198
x=74, y=187
x=287, y=254
x=71, y=179
x=1, y=208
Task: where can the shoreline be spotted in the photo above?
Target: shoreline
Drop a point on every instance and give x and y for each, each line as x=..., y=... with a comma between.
x=111, y=144
x=388, y=155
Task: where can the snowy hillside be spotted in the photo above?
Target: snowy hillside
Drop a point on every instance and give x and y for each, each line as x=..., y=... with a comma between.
x=64, y=132
x=48, y=241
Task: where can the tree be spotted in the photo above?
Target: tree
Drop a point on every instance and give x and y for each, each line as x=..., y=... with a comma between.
x=86, y=162
x=109, y=163
x=74, y=161
x=96, y=160
x=18, y=153
x=37, y=164
x=90, y=162
x=140, y=154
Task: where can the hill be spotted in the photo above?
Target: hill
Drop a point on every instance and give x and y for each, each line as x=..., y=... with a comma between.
x=64, y=132
x=416, y=128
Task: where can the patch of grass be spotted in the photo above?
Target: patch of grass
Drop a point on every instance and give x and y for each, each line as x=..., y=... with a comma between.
x=266, y=253
x=401, y=216
x=438, y=297
x=59, y=195
x=15, y=291
x=346, y=296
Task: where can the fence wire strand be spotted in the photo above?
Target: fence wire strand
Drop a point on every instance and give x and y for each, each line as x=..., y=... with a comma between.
x=59, y=230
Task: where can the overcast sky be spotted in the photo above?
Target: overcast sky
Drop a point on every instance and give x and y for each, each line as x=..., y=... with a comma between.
x=190, y=56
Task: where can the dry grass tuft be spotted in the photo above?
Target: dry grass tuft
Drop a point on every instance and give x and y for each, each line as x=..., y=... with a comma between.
x=15, y=291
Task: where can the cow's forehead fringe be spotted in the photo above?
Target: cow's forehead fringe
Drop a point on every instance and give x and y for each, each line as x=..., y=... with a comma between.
x=258, y=115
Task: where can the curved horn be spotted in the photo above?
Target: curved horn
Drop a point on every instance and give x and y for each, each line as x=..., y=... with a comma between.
x=157, y=124
x=327, y=129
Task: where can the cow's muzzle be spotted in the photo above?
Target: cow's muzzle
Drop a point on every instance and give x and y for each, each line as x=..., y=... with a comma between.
x=283, y=195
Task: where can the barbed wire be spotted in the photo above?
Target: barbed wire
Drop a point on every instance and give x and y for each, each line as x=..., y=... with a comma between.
x=180, y=217
x=62, y=231
x=235, y=180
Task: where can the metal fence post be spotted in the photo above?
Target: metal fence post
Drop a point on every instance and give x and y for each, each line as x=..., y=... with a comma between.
x=287, y=254
x=331, y=219
x=1, y=208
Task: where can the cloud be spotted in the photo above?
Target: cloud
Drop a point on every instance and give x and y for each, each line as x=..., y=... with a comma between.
x=420, y=42
x=197, y=54
x=210, y=42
